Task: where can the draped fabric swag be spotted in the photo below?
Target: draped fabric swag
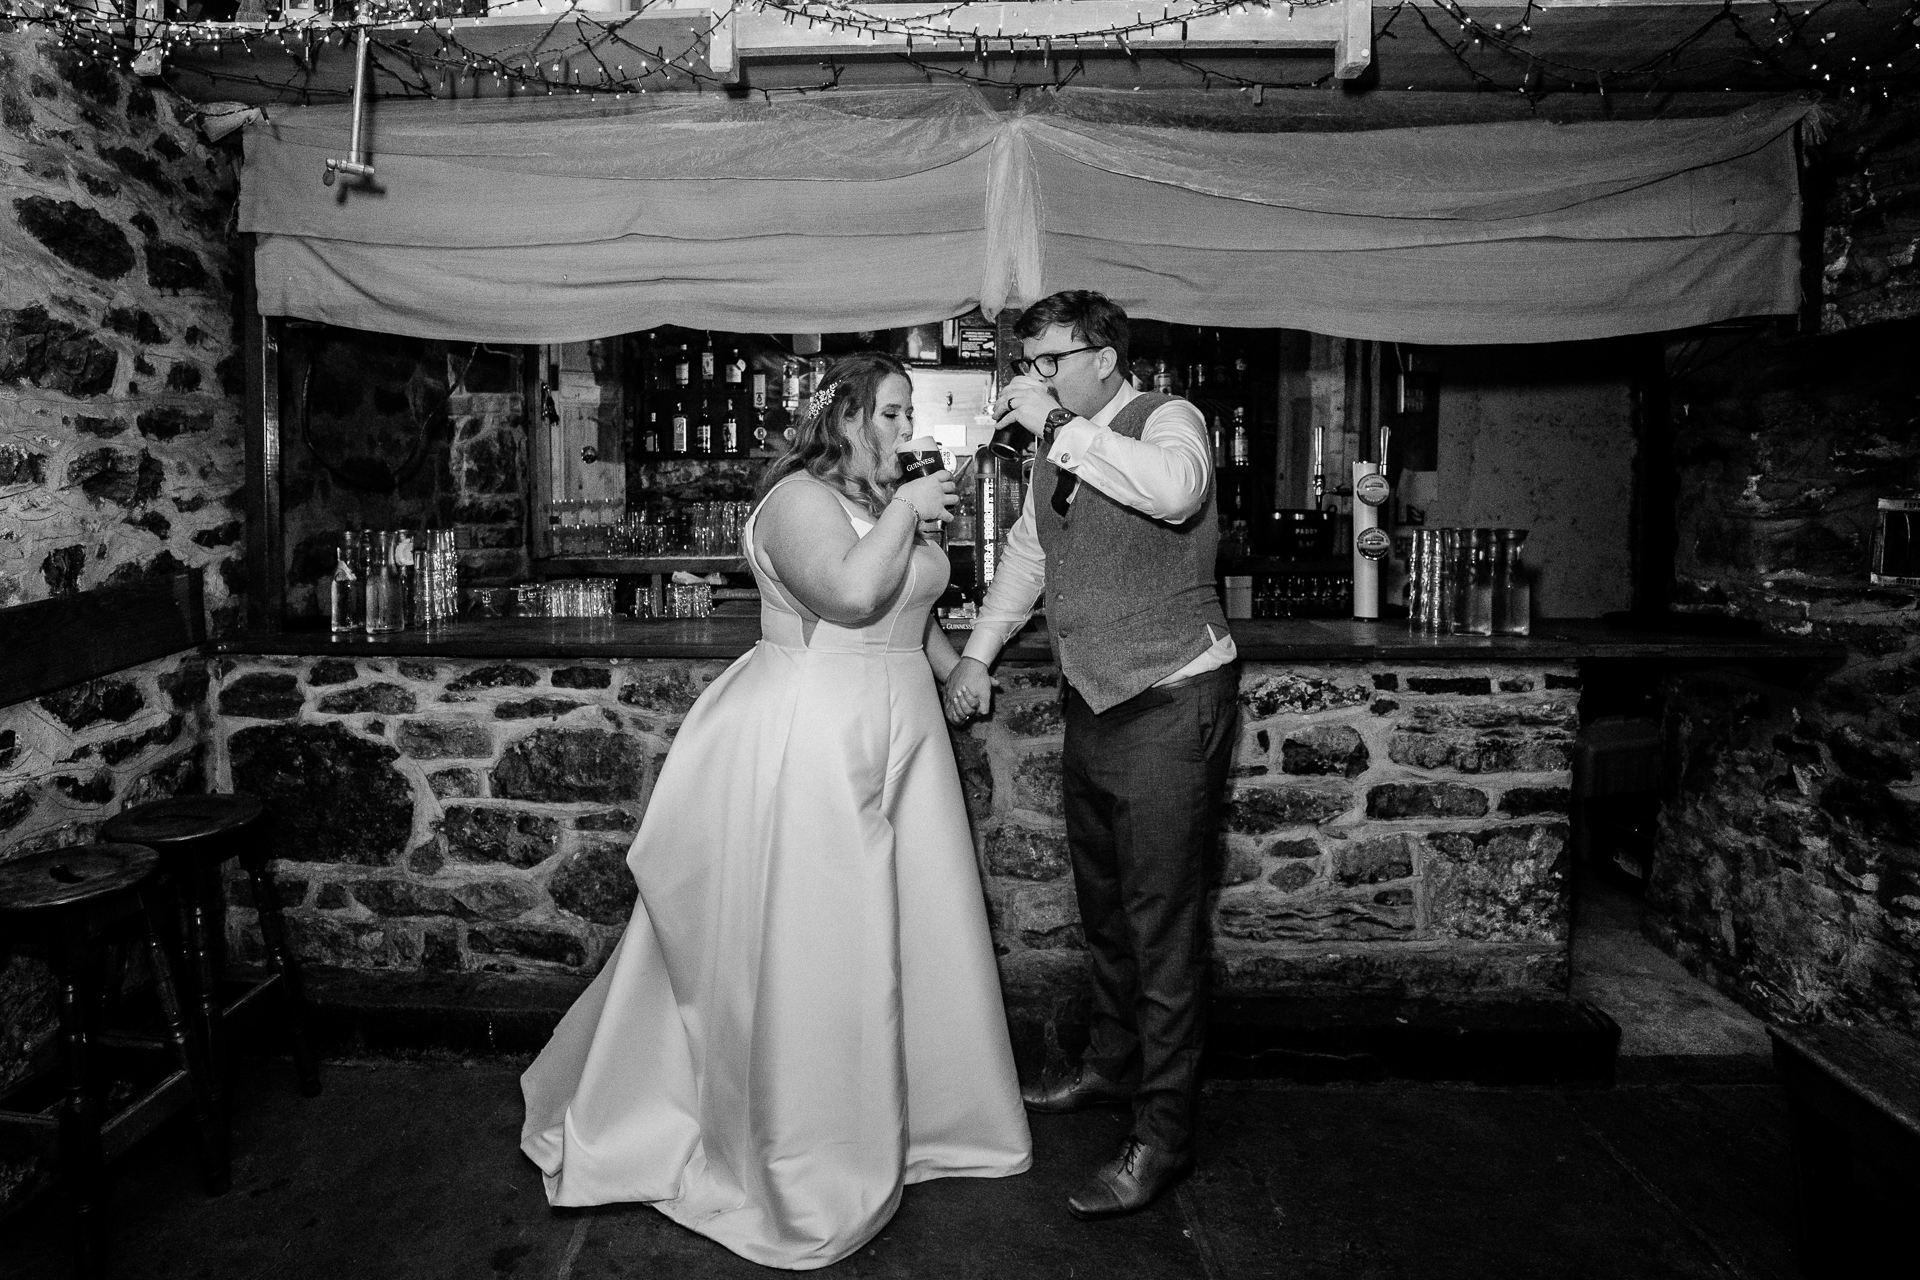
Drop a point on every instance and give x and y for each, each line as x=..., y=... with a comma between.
x=561, y=220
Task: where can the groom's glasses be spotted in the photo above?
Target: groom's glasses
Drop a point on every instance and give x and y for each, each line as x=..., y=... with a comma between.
x=1048, y=365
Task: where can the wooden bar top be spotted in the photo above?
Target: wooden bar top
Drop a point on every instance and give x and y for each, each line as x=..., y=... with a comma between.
x=1260, y=640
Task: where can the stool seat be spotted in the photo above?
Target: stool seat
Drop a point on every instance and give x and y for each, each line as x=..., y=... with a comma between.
x=71, y=877
x=184, y=819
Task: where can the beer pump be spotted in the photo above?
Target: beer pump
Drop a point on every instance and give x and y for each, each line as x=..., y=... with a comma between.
x=1371, y=541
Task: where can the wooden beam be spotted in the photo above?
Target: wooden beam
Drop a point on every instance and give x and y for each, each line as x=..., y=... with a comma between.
x=55, y=644
x=260, y=418
x=1562, y=33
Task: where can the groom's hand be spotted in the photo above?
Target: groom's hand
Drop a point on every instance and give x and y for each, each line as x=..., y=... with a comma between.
x=969, y=691
x=1027, y=400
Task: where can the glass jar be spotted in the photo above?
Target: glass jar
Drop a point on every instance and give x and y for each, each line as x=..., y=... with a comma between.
x=1512, y=589
x=386, y=609
x=347, y=592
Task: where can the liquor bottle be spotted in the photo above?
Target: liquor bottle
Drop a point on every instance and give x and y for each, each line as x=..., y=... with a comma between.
x=757, y=415
x=650, y=441
x=730, y=432
x=706, y=359
x=1217, y=437
x=735, y=370
x=1162, y=376
x=681, y=443
x=1240, y=368
x=1222, y=366
x=703, y=433
x=652, y=375
x=1239, y=448
x=791, y=374
x=683, y=367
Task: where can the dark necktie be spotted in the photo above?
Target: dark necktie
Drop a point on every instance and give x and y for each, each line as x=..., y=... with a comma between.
x=1064, y=485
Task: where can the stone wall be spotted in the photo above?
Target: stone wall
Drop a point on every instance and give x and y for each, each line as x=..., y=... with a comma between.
x=1390, y=829
x=120, y=443
x=1866, y=180
x=387, y=432
x=1788, y=863
x=120, y=446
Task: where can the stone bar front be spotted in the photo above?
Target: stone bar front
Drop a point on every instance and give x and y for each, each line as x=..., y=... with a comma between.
x=1394, y=826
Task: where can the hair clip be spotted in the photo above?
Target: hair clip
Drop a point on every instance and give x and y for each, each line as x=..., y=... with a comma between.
x=819, y=400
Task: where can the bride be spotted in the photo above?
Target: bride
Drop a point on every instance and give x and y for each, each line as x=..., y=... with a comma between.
x=804, y=1014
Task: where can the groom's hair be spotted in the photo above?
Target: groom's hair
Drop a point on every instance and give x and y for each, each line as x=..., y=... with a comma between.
x=1097, y=320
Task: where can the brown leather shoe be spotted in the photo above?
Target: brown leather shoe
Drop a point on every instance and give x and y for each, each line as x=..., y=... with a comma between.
x=1075, y=1091
x=1129, y=1182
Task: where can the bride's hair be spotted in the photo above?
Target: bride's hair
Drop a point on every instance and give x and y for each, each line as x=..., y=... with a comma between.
x=833, y=440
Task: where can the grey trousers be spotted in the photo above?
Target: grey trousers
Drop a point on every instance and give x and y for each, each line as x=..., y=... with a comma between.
x=1143, y=784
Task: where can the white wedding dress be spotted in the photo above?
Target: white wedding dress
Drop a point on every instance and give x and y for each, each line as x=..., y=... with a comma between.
x=804, y=1014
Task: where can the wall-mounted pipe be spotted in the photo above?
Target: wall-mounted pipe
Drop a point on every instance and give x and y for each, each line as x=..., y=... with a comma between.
x=356, y=165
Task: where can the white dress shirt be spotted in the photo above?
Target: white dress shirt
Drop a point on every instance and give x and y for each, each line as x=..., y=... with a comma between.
x=1165, y=474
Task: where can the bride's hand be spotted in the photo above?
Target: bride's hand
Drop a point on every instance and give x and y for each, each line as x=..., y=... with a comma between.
x=969, y=690
x=934, y=497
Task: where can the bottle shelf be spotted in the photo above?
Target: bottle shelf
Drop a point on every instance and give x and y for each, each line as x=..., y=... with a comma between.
x=624, y=566
x=1276, y=566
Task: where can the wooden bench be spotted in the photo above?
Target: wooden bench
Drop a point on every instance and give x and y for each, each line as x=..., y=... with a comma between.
x=1854, y=1097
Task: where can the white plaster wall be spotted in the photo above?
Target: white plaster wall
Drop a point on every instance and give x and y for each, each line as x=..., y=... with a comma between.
x=1542, y=439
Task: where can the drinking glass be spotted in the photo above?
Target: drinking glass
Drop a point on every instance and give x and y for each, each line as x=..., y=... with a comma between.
x=1478, y=592
x=1453, y=575
x=1424, y=582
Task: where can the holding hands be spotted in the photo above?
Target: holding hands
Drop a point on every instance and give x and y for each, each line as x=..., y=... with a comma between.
x=969, y=691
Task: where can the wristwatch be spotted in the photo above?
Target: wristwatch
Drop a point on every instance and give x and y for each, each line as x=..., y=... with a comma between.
x=1057, y=419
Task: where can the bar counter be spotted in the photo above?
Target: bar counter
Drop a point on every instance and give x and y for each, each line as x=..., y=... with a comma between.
x=1261, y=640
x=1397, y=821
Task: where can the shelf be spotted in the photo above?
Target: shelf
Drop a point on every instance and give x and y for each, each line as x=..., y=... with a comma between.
x=1279, y=640
x=630, y=566
x=1341, y=565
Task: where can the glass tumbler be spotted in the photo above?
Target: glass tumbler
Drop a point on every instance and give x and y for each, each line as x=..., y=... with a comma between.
x=1453, y=580
x=1478, y=593
x=1423, y=582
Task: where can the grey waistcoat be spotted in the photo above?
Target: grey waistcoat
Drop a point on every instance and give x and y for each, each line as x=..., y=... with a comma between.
x=1129, y=598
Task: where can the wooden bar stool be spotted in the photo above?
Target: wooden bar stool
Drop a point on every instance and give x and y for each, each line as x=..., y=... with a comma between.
x=194, y=835
x=74, y=903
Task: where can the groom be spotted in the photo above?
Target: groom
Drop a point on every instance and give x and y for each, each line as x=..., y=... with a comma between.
x=1120, y=532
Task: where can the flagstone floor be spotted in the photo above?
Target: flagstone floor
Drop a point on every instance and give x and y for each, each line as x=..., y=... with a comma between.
x=410, y=1169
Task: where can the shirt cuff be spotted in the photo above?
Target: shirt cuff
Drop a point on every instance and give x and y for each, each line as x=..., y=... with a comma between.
x=1070, y=444
x=984, y=645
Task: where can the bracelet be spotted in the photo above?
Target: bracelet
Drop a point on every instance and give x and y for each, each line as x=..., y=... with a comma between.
x=917, y=517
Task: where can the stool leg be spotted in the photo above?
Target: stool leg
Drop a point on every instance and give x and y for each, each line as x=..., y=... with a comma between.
x=1824, y=1199
x=209, y=1118
x=82, y=1159
x=273, y=931
x=203, y=918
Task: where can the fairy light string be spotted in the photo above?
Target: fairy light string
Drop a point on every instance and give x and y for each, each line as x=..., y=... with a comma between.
x=418, y=51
